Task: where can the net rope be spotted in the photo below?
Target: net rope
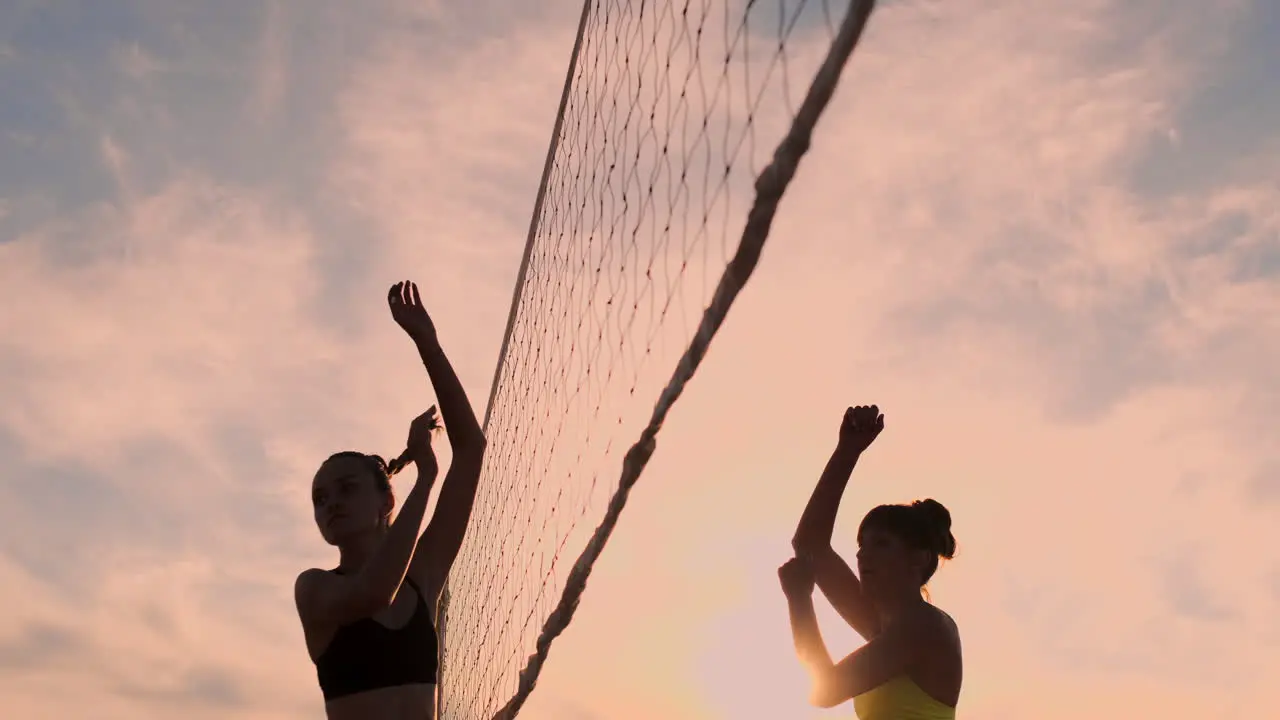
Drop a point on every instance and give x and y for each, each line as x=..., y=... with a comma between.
x=650, y=163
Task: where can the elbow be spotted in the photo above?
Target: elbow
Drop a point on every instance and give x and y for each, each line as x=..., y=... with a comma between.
x=804, y=544
x=826, y=691
x=822, y=702
x=822, y=697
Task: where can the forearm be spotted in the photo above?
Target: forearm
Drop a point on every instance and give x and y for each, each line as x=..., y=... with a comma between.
x=840, y=585
x=457, y=496
x=444, y=536
x=810, y=647
x=819, y=518
x=459, y=419
x=443, y=539
x=385, y=570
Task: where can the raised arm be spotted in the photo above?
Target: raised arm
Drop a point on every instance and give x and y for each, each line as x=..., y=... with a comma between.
x=818, y=521
x=443, y=537
x=439, y=544
x=883, y=658
x=812, y=540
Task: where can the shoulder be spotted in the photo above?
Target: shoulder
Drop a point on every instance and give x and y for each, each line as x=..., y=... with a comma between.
x=308, y=582
x=937, y=630
x=310, y=577
x=943, y=622
x=927, y=624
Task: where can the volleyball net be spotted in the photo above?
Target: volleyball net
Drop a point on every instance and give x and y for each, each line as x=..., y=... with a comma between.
x=681, y=125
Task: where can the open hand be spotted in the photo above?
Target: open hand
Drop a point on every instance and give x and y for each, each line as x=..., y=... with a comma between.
x=409, y=314
x=796, y=576
x=860, y=427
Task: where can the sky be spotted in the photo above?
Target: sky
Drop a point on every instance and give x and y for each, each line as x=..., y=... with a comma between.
x=1043, y=236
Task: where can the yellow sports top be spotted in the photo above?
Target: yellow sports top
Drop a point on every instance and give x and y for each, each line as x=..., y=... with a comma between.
x=900, y=699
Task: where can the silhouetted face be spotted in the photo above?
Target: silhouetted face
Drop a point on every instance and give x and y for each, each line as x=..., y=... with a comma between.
x=887, y=566
x=347, y=500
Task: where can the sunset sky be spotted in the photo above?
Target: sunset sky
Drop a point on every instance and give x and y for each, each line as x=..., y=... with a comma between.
x=1043, y=236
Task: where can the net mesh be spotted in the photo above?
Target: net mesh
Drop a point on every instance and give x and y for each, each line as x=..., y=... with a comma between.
x=657, y=199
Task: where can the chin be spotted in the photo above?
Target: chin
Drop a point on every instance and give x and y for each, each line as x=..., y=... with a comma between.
x=878, y=589
x=335, y=534
x=344, y=532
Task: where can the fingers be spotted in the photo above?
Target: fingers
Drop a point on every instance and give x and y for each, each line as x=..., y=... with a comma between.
x=407, y=292
x=422, y=429
x=796, y=575
x=874, y=418
x=426, y=419
x=404, y=293
x=864, y=415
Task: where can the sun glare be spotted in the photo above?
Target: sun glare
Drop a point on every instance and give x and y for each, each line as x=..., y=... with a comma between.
x=747, y=662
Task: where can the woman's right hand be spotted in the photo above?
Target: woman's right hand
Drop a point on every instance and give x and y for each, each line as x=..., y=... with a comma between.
x=408, y=312
x=796, y=576
x=860, y=427
x=421, y=431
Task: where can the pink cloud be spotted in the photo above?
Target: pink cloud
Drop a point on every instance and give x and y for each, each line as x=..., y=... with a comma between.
x=173, y=356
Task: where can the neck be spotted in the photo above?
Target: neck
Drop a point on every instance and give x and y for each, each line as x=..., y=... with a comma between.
x=894, y=606
x=354, y=553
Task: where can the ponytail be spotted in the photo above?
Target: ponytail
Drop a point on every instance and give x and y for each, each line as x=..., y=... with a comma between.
x=398, y=463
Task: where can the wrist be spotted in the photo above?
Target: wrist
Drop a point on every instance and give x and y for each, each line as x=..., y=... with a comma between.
x=427, y=346
x=799, y=598
x=848, y=451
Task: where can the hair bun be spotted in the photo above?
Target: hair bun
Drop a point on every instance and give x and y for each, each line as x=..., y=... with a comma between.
x=935, y=519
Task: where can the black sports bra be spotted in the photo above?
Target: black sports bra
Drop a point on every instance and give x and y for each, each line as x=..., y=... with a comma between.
x=367, y=655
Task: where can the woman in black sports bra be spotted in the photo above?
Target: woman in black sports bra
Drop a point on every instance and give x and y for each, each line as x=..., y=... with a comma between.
x=369, y=623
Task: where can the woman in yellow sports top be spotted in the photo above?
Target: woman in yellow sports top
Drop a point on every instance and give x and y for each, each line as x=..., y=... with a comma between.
x=910, y=667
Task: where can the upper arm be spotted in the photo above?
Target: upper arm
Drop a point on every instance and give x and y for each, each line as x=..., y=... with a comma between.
x=440, y=542
x=324, y=599
x=883, y=658
x=843, y=590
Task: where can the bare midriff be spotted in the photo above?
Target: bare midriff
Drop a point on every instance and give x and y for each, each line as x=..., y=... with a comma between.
x=405, y=702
